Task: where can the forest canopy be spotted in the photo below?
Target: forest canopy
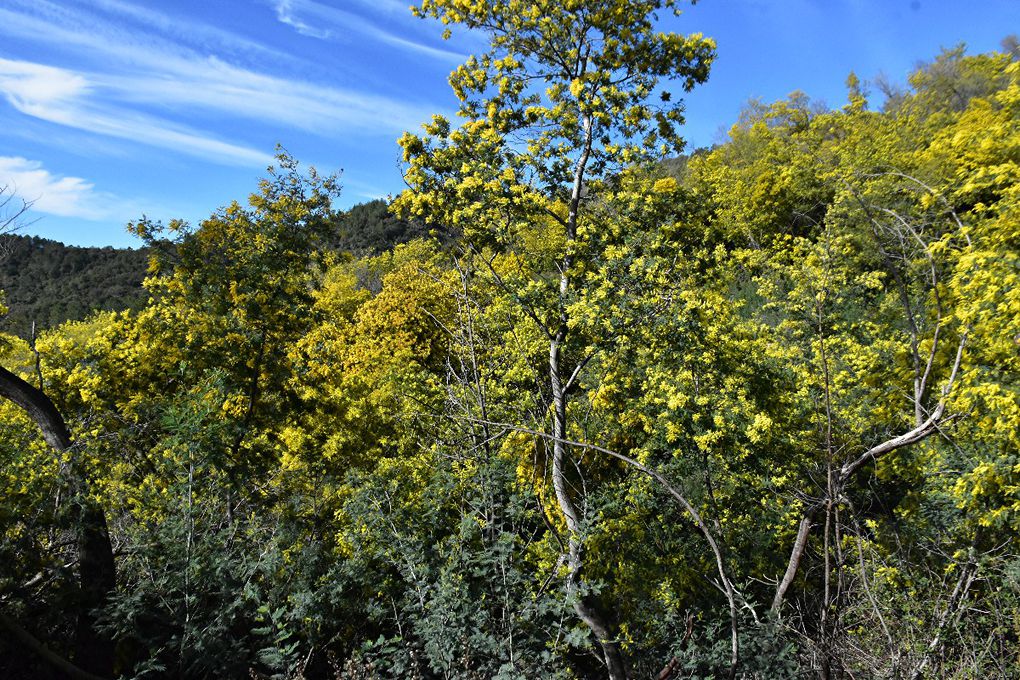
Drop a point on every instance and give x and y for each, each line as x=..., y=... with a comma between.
x=47, y=283
x=579, y=407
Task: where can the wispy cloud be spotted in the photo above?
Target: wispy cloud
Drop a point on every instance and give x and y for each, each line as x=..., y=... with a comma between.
x=330, y=22
x=399, y=8
x=27, y=84
x=115, y=79
x=214, y=85
x=189, y=32
x=67, y=98
x=122, y=24
x=399, y=11
x=363, y=190
x=285, y=14
x=53, y=195
x=148, y=86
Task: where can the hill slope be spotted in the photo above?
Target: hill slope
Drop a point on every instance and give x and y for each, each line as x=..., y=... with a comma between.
x=48, y=282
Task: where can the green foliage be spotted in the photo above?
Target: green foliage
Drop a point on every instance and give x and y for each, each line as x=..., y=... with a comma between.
x=49, y=283
x=326, y=465
x=370, y=229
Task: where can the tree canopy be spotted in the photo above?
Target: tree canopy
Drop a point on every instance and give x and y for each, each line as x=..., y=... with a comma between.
x=579, y=408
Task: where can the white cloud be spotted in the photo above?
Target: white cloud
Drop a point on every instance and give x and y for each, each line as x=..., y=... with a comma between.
x=285, y=14
x=63, y=24
x=65, y=97
x=291, y=11
x=399, y=11
x=216, y=86
x=399, y=8
x=53, y=195
x=186, y=31
x=168, y=79
x=25, y=82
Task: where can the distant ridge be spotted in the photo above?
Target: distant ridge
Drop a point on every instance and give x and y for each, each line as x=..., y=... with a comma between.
x=369, y=229
x=48, y=282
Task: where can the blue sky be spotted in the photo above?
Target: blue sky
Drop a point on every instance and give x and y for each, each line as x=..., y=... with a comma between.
x=111, y=109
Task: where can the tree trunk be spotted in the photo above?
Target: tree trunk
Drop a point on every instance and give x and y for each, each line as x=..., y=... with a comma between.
x=585, y=609
x=93, y=652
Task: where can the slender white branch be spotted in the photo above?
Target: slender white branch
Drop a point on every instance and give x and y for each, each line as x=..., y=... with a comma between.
x=915, y=435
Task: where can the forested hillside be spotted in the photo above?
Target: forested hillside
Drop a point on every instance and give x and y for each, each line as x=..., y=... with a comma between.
x=48, y=283
x=370, y=229
x=752, y=415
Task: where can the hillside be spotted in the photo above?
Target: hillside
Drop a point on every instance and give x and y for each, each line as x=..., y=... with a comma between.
x=48, y=282
x=751, y=414
x=370, y=228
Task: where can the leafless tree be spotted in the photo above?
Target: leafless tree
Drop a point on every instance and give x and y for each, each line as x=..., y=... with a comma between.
x=13, y=209
x=903, y=238
x=93, y=651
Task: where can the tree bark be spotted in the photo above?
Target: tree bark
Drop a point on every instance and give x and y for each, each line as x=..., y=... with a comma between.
x=919, y=433
x=794, y=563
x=726, y=584
x=55, y=660
x=93, y=652
x=587, y=611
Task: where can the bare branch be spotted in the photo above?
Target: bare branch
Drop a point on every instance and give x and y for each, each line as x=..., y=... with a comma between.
x=12, y=209
x=915, y=435
x=727, y=585
x=796, y=554
x=12, y=212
